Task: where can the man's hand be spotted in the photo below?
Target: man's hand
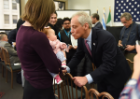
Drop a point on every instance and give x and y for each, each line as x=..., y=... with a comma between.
x=120, y=43
x=14, y=43
x=80, y=81
x=130, y=47
x=70, y=47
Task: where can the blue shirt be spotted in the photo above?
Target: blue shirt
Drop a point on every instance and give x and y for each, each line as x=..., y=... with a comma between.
x=88, y=76
x=67, y=33
x=132, y=38
x=88, y=39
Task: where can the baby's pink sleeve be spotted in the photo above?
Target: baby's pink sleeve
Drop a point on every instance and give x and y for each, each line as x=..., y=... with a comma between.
x=62, y=45
x=52, y=43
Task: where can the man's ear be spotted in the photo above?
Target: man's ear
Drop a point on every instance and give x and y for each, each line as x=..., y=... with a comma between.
x=130, y=19
x=86, y=26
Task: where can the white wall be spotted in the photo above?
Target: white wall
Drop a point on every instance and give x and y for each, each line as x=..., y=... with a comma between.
x=25, y=1
x=78, y=4
x=93, y=5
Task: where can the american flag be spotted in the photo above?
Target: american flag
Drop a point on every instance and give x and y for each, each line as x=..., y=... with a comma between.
x=130, y=6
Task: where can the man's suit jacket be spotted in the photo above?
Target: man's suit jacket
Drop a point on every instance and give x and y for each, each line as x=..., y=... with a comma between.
x=12, y=52
x=99, y=25
x=12, y=36
x=111, y=66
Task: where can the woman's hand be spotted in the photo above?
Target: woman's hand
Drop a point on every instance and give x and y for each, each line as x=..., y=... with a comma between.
x=136, y=63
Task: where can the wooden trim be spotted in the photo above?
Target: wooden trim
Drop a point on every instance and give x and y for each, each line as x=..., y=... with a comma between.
x=129, y=61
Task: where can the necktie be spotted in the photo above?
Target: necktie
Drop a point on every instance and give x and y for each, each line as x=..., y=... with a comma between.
x=87, y=46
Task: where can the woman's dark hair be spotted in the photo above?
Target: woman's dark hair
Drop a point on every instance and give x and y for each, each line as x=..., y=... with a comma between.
x=66, y=19
x=59, y=23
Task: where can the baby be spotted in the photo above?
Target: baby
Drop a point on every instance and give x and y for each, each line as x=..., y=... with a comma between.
x=57, y=46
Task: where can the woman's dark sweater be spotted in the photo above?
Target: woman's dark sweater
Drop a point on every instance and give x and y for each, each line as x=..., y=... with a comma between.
x=36, y=56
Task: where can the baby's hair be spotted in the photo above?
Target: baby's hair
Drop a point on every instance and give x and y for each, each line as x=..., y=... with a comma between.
x=45, y=30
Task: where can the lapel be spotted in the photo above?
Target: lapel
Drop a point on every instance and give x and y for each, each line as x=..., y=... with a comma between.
x=96, y=24
x=93, y=43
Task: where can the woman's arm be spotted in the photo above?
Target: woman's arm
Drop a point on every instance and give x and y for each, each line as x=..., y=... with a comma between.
x=42, y=47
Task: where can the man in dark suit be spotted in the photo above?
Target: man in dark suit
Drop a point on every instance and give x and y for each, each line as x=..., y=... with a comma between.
x=12, y=52
x=112, y=70
x=13, y=33
x=95, y=20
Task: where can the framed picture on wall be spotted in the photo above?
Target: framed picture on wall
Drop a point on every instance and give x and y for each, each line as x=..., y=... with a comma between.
x=59, y=5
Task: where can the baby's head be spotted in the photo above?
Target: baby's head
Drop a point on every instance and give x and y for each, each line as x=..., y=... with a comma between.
x=50, y=34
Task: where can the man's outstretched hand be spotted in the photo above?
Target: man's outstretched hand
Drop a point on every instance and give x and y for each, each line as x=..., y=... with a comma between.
x=80, y=81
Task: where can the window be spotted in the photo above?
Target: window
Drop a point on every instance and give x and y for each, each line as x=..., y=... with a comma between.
x=14, y=19
x=6, y=4
x=14, y=5
x=6, y=19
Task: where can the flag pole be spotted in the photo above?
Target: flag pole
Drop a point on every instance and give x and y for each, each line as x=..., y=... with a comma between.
x=104, y=19
x=110, y=14
x=110, y=9
x=97, y=10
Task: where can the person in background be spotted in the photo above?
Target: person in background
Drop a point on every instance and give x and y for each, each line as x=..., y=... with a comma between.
x=132, y=89
x=52, y=23
x=128, y=36
x=12, y=34
x=95, y=20
x=59, y=23
x=34, y=50
x=12, y=52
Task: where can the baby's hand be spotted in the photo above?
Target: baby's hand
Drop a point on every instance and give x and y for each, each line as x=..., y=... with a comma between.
x=64, y=46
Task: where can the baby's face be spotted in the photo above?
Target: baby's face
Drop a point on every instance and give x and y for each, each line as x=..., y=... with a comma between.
x=52, y=35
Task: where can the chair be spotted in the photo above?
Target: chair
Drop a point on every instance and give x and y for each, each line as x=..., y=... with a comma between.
x=104, y=95
x=67, y=89
x=130, y=63
x=93, y=92
x=2, y=61
x=12, y=68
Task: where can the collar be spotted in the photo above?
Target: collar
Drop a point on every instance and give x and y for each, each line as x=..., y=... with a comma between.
x=89, y=37
x=66, y=31
x=4, y=41
x=130, y=25
x=96, y=23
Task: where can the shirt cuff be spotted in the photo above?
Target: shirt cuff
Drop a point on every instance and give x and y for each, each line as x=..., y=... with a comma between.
x=68, y=69
x=132, y=82
x=89, y=78
x=13, y=46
